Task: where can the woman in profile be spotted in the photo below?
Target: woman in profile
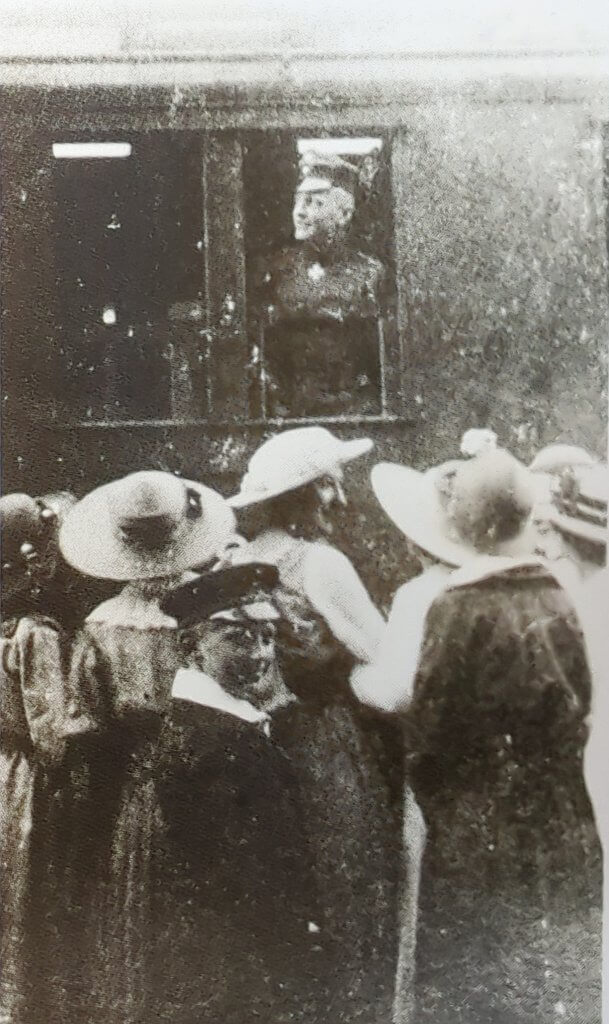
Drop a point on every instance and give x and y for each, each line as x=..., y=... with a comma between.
x=35, y=653
x=328, y=624
x=484, y=663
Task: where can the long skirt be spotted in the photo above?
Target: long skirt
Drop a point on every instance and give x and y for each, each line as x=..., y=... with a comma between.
x=29, y=896
x=510, y=917
x=353, y=829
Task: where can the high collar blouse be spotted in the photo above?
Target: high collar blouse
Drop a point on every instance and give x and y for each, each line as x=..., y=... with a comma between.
x=325, y=582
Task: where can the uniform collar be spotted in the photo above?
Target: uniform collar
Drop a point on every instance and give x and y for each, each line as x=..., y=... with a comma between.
x=190, y=684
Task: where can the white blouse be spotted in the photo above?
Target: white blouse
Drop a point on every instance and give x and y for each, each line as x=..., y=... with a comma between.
x=328, y=580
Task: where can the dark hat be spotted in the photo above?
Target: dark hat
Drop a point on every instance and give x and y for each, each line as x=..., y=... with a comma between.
x=321, y=173
x=28, y=535
x=213, y=592
x=21, y=527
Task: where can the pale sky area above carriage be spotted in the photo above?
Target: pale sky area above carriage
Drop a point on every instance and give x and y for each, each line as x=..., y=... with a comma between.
x=73, y=29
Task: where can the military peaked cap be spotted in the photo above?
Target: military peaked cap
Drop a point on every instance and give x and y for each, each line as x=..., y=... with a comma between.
x=320, y=173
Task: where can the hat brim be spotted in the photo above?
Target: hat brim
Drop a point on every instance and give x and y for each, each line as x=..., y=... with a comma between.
x=594, y=481
x=557, y=457
x=91, y=542
x=411, y=501
x=349, y=450
x=579, y=529
x=315, y=183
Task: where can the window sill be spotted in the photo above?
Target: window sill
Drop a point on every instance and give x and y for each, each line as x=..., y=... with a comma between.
x=216, y=423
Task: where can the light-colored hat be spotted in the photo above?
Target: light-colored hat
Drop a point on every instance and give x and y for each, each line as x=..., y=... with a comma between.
x=320, y=173
x=476, y=441
x=433, y=509
x=572, y=492
x=556, y=457
x=147, y=525
x=292, y=459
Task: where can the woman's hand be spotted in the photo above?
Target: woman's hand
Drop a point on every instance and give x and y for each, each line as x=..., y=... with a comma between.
x=387, y=683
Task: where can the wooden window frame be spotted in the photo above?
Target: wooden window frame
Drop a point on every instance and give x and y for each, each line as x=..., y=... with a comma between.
x=223, y=311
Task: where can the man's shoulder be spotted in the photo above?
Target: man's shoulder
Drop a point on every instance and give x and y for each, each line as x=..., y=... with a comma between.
x=271, y=266
x=298, y=255
x=288, y=256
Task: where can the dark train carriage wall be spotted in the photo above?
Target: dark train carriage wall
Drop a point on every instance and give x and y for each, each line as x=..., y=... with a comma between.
x=502, y=242
x=499, y=253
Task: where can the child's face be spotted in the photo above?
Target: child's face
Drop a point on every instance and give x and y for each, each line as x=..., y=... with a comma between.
x=239, y=655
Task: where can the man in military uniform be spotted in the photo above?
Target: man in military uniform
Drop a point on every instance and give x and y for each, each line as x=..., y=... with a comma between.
x=320, y=303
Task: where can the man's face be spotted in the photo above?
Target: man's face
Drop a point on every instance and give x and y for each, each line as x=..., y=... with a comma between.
x=320, y=216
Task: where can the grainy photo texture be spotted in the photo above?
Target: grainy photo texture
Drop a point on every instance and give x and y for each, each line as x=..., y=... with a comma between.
x=303, y=687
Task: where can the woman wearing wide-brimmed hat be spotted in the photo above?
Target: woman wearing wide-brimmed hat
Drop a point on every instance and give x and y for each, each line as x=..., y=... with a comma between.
x=190, y=866
x=483, y=661
x=572, y=491
x=143, y=532
x=571, y=514
x=34, y=653
x=328, y=624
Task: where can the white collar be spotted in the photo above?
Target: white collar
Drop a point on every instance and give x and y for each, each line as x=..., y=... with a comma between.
x=199, y=688
x=483, y=567
x=132, y=607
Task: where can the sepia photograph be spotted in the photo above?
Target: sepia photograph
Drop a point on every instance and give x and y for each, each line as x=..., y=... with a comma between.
x=304, y=655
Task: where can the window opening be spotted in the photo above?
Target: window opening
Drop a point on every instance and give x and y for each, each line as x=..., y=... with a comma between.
x=319, y=253
x=127, y=236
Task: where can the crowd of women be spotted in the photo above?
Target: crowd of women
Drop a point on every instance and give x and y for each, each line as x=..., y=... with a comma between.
x=232, y=791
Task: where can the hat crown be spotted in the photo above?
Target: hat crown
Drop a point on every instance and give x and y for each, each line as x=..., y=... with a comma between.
x=150, y=495
x=301, y=451
x=573, y=492
x=487, y=499
x=144, y=526
x=325, y=172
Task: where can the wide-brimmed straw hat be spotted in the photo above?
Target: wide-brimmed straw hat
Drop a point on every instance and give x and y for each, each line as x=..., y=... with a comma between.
x=292, y=459
x=572, y=492
x=147, y=525
x=445, y=510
